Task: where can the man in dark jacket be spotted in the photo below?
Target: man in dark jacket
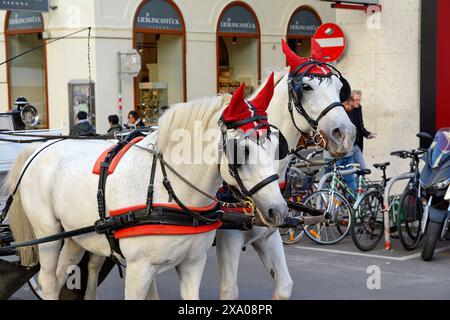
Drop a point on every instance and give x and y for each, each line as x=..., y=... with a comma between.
x=83, y=127
x=114, y=125
x=356, y=117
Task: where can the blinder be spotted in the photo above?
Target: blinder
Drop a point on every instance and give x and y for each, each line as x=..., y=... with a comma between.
x=283, y=147
x=298, y=85
x=235, y=154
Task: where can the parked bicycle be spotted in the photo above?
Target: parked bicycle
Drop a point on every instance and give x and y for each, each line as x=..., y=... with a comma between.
x=300, y=181
x=409, y=216
x=367, y=221
x=336, y=201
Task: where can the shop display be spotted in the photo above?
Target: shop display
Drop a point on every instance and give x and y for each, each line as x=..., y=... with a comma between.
x=153, y=101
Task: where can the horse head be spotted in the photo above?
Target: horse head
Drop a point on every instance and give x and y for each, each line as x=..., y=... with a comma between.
x=316, y=93
x=250, y=150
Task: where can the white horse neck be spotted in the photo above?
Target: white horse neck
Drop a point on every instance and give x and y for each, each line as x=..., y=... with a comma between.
x=279, y=115
x=181, y=138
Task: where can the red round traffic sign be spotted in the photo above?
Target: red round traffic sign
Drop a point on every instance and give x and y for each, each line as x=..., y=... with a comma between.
x=328, y=43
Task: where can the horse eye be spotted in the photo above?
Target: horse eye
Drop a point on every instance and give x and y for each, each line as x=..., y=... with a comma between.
x=307, y=87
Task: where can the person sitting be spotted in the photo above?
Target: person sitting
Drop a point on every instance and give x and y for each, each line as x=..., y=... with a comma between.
x=134, y=121
x=114, y=125
x=83, y=127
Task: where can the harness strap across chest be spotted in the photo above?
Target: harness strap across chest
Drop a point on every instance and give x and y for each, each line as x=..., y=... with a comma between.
x=149, y=218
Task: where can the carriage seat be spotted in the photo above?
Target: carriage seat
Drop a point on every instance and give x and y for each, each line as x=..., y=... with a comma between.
x=382, y=166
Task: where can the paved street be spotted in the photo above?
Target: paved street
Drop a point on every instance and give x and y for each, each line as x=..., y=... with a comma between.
x=319, y=272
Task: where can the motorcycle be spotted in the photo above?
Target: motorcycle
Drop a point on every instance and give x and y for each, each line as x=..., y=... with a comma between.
x=434, y=183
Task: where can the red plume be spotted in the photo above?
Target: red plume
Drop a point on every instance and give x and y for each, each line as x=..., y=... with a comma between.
x=262, y=100
x=316, y=50
x=237, y=109
x=293, y=60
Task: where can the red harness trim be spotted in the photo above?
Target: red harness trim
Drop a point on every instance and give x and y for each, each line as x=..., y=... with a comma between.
x=115, y=161
x=162, y=229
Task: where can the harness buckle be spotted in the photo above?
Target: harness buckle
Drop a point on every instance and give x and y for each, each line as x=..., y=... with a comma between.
x=249, y=204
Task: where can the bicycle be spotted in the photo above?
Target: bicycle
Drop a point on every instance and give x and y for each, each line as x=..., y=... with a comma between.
x=409, y=216
x=368, y=219
x=300, y=181
x=336, y=203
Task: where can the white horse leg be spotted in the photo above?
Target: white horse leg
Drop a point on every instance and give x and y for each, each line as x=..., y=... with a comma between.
x=228, y=247
x=190, y=272
x=139, y=275
x=271, y=252
x=95, y=264
x=48, y=257
x=70, y=255
x=152, y=293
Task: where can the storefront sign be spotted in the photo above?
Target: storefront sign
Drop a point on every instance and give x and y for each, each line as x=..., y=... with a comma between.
x=24, y=20
x=24, y=5
x=158, y=14
x=303, y=23
x=238, y=19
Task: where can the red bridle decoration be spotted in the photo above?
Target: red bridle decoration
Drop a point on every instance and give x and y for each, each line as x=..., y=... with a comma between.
x=239, y=109
x=294, y=61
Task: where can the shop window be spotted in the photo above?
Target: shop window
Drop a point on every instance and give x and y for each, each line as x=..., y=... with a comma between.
x=238, y=49
x=27, y=73
x=160, y=39
x=301, y=28
x=81, y=98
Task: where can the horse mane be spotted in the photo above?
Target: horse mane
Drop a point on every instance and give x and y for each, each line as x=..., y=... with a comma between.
x=184, y=116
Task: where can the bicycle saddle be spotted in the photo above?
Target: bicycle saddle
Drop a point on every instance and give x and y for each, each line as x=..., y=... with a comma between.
x=382, y=166
x=363, y=172
x=311, y=172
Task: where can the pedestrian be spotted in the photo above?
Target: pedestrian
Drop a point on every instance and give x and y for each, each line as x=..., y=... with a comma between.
x=114, y=125
x=83, y=127
x=134, y=121
x=356, y=117
x=350, y=179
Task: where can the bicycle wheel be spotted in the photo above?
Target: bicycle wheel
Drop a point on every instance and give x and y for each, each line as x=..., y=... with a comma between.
x=337, y=217
x=409, y=217
x=367, y=221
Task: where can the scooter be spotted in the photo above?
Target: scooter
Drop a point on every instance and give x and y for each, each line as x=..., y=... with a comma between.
x=434, y=183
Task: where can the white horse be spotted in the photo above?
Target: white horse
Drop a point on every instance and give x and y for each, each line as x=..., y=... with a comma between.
x=321, y=90
x=58, y=192
x=268, y=244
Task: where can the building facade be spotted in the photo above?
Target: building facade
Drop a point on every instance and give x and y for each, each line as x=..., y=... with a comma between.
x=195, y=48
x=188, y=49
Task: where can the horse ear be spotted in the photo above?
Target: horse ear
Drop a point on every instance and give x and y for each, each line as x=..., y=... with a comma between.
x=262, y=100
x=236, y=105
x=316, y=50
x=293, y=60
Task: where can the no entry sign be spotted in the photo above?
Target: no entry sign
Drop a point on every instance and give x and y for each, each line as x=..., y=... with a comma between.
x=328, y=43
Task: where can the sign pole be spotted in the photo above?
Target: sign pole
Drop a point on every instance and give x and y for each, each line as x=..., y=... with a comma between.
x=120, y=87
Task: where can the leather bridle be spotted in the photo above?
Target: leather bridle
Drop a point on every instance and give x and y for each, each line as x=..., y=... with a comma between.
x=295, y=101
x=233, y=165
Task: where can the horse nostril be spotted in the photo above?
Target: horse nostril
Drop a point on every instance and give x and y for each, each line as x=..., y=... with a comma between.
x=337, y=134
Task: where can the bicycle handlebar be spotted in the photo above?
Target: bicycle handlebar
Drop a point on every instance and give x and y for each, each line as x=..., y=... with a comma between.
x=404, y=154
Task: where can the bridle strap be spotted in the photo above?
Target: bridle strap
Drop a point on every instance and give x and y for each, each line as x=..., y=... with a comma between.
x=263, y=183
x=328, y=109
x=314, y=124
x=240, y=123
